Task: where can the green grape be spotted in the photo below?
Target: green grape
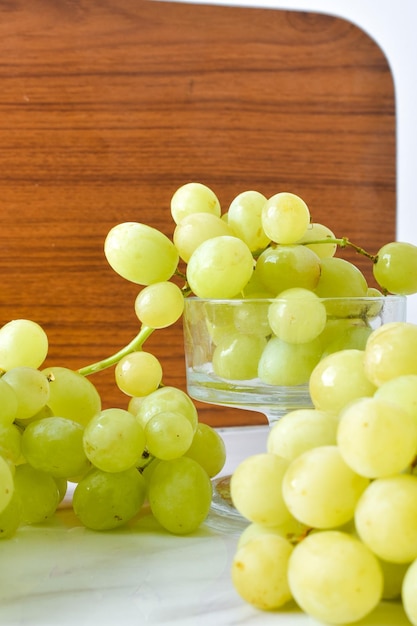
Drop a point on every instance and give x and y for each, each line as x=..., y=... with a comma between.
x=159, y=305
x=107, y=500
x=385, y=518
x=114, y=440
x=318, y=232
x=292, y=530
x=285, y=267
x=193, y=198
x=338, y=379
x=377, y=438
x=259, y=571
x=236, y=356
x=402, y=391
x=11, y=442
x=391, y=352
x=300, y=430
x=285, y=218
x=245, y=219
x=10, y=517
x=167, y=399
x=255, y=289
x=179, y=494
x=320, y=489
x=31, y=388
x=408, y=593
x=134, y=404
x=38, y=493
x=255, y=489
x=395, y=268
x=352, y=337
x=283, y=363
x=140, y=253
x=55, y=445
x=195, y=228
x=138, y=373
x=22, y=343
x=251, y=317
x=8, y=403
x=6, y=483
x=72, y=395
x=208, y=449
x=287, y=316
x=220, y=267
x=168, y=435
x=340, y=279
x=334, y=578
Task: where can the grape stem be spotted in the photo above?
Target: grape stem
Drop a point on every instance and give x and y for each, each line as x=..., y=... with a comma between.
x=344, y=242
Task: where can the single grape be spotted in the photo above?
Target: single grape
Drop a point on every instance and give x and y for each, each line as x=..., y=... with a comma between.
x=31, y=388
x=208, y=449
x=292, y=530
x=72, y=395
x=6, y=483
x=352, y=337
x=159, y=305
x=287, y=316
x=236, y=356
x=402, y=391
x=391, y=352
x=251, y=317
x=168, y=435
x=195, y=228
x=340, y=279
x=285, y=218
x=38, y=494
x=408, y=593
x=245, y=219
x=283, y=363
x=395, y=268
x=138, y=373
x=11, y=443
x=167, y=399
x=319, y=232
x=285, y=267
x=22, y=343
x=193, y=198
x=8, y=403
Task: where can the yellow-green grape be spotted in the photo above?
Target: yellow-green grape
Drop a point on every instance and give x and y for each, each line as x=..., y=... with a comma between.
x=168, y=435
x=408, y=593
x=334, y=578
x=251, y=317
x=107, y=500
x=134, y=403
x=31, y=388
x=395, y=268
x=285, y=218
x=319, y=232
x=402, y=391
x=391, y=351
x=10, y=517
x=138, y=373
x=285, y=267
x=11, y=442
x=292, y=530
x=55, y=445
x=338, y=379
x=38, y=494
x=220, y=267
x=340, y=279
x=236, y=356
x=301, y=430
x=255, y=489
x=351, y=337
x=179, y=494
x=288, y=364
x=255, y=289
x=259, y=571
x=208, y=449
x=193, y=198
x=320, y=489
x=377, y=438
x=140, y=253
x=22, y=343
x=167, y=399
x=114, y=440
x=385, y=518
x=8, y=403
x=245, y=218
x=159, y=305
x=287, y=315
x=6, y=483
x=72, y=395
x=195, y=228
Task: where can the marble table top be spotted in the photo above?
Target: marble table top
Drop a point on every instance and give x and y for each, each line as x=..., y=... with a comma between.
x=62, y=574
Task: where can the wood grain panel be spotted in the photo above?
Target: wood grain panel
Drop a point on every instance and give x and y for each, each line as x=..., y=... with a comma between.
x=107, y=106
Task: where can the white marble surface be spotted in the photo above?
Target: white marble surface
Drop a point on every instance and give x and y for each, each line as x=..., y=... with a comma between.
x=63, y=574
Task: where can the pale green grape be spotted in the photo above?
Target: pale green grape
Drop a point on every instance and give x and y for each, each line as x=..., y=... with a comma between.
x=38, y=494
x=385, y=518
x=134, y=403
x=285, y=267
x=114, y=440
x=318, y=232
x=408, y=593
x=292, y=530
x=167, y=399
x=107, y=500
x=395, y=269
x=8, y=403
x=220, y=267
x=159, y=305
x=301, y=430
x=236, y=356
x=31, y=388
x=256, y=289
x=401, y=390
x=208, y=449
x=22, y=343
x=259, y=571
x=351, y=337
x=377, y=438
x=180, y=494
x=320, y=489
x=287, y=316
x=285, y=218
x=340, y=279
x=140, y=253
x=251, y=317
x=10, y=517
x=72, y=395
x=334, y=578
x=193, y=198
x=195, y=228
x=138, y=373
x=338, y=379
x=55, y=445
x=11, y=442
x=168, y=435
x=217, y=320
x=245, y=218
x=391, y=352
x=283, y=363
x=255, y=488
x=6, y=483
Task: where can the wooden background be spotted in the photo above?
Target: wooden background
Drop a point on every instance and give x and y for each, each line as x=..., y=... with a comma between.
x=107, y=106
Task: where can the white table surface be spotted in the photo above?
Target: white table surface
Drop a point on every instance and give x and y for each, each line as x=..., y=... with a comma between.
x=62, y=574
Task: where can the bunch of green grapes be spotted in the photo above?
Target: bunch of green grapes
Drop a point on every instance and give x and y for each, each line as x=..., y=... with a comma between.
x=332, y=503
